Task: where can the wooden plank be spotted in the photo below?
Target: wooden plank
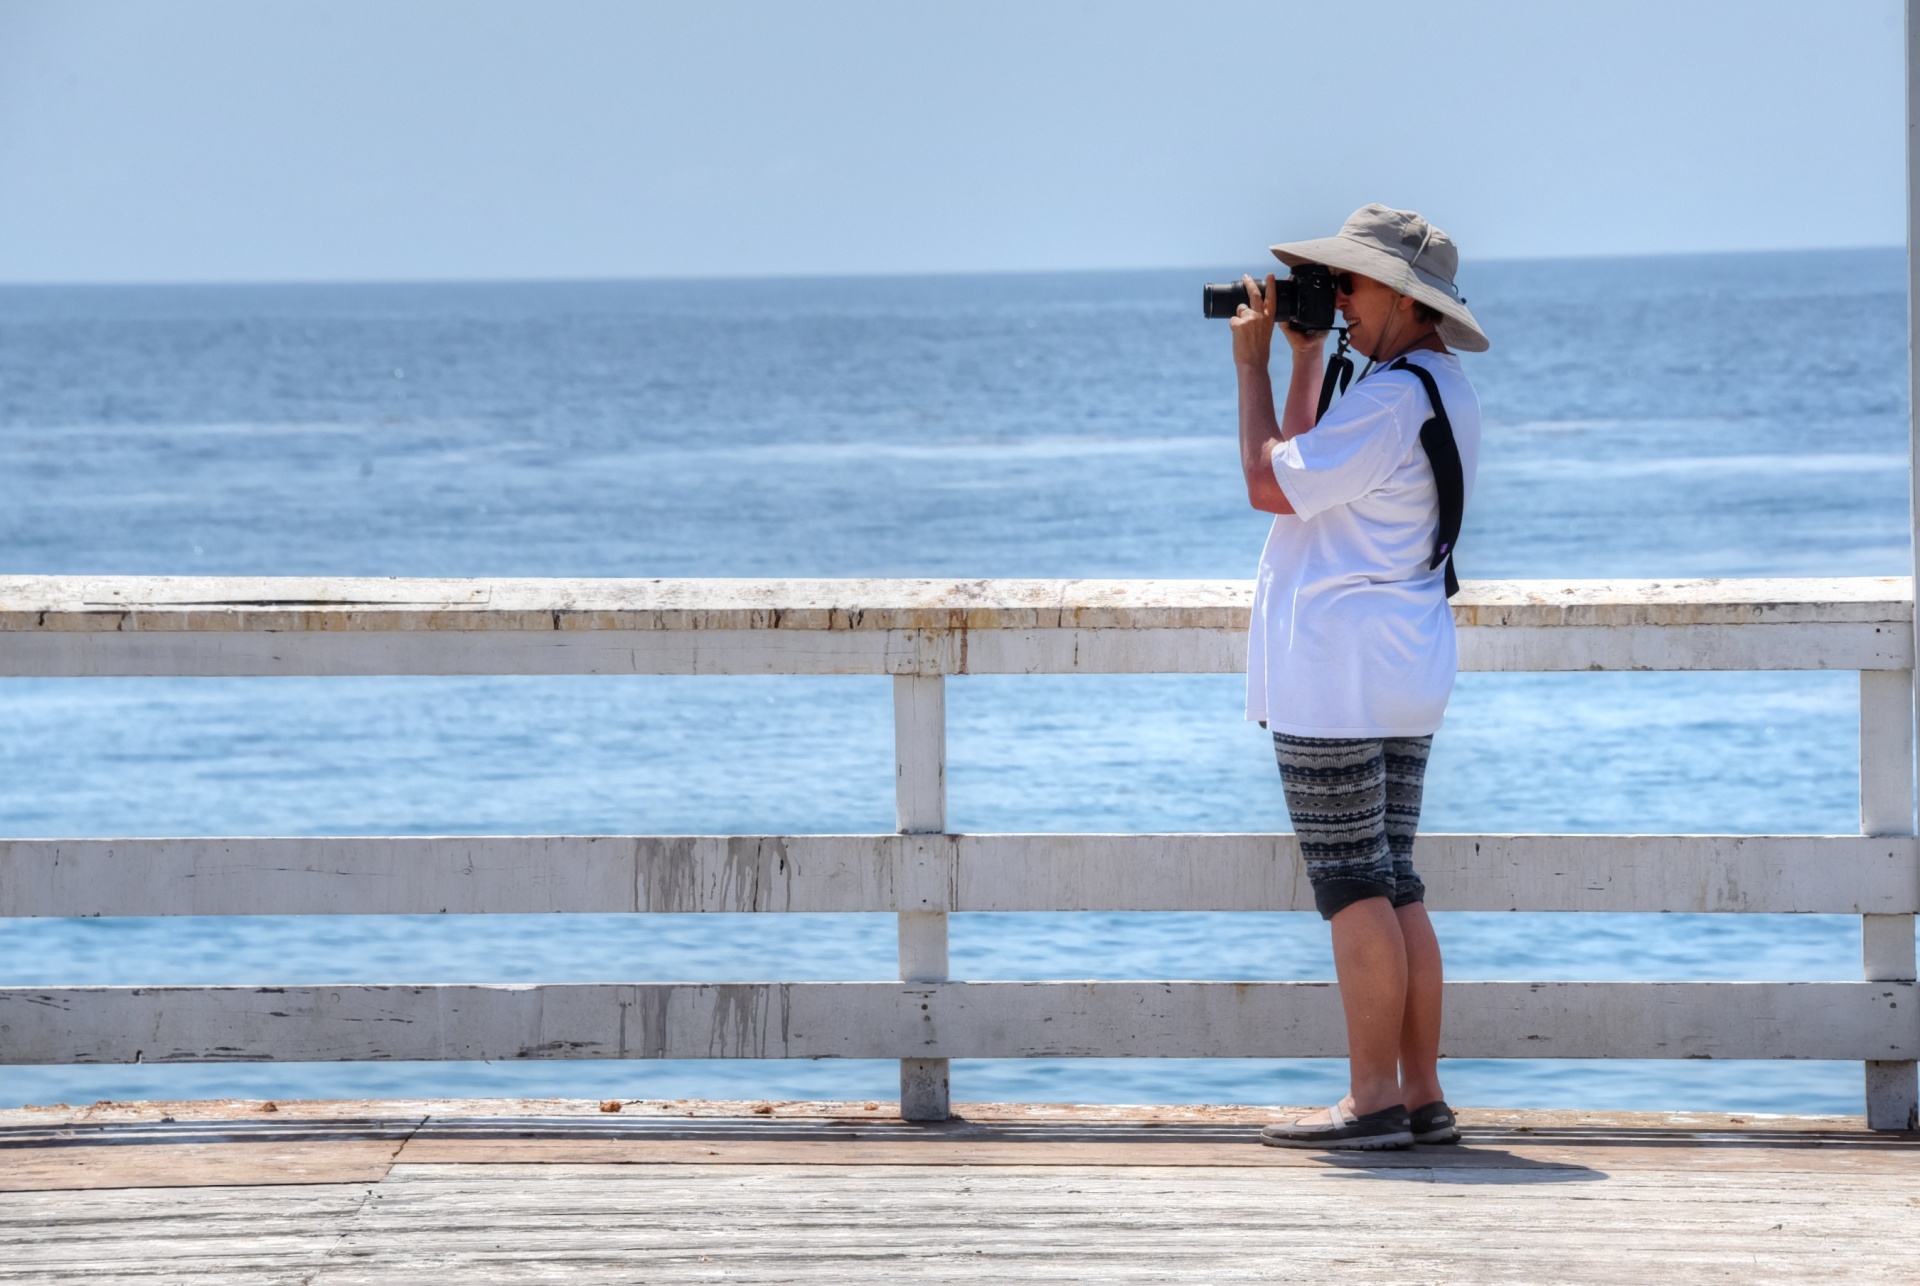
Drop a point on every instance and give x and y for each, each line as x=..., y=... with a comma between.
x=1682, y=873
x=920, y=809
x=1845, y=874
x=80, y=626
x=1886, y=753
x=1055, y=1135
x=473, y=875
x=920, y=754
x=194, y=1150
x=1482, y=1152
x=745, y=652
x=453, y=1140
x=1687, y=647
x=1483, y=648
x=139, y=604
x=123, y=604
x=1886, y=808
x=1676, y=1127
x=749, y=652
x=195, y=1165
x=257, y=1234
x=355, y=1022
x=421, y=652
x=1097, y=651
x=213, y=1144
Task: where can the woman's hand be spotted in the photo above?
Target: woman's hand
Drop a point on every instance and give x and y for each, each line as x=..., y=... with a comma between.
x=1252, y=325
x=1307, y=345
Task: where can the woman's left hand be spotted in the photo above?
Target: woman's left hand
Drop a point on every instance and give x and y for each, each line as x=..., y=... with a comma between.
x=1252, y=325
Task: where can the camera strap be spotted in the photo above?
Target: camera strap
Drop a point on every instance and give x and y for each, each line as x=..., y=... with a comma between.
x=1443, y=453
x=1339, y=371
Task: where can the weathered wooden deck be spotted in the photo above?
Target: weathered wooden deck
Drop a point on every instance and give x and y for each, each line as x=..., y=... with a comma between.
x=531, y=1190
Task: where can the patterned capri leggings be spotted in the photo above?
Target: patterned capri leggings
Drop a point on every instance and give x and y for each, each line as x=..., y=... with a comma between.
x=1355, y=806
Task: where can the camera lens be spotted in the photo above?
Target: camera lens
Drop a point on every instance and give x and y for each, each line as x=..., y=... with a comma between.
x=1218, y=301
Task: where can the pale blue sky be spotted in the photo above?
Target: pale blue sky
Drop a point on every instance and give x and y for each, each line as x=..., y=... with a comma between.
x=418, y=139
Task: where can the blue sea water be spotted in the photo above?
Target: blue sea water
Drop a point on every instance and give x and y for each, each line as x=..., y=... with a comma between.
x=1729, y=415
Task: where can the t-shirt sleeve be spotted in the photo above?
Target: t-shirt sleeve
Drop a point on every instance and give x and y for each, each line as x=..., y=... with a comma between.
x=1353, y=451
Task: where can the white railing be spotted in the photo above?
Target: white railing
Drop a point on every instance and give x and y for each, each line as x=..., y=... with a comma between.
x=919, y=632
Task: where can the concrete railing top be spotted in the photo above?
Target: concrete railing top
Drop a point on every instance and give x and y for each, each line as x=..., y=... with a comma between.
x=248, y=604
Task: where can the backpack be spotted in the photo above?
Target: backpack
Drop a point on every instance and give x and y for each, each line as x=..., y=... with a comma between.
x=1436, y=438
x=1443, y=453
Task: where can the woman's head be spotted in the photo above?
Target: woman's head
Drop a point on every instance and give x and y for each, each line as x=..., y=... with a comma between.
x=1381, y=322
x=1402, y=254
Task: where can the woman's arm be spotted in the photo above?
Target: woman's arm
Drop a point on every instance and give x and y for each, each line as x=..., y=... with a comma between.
x=1261, y=430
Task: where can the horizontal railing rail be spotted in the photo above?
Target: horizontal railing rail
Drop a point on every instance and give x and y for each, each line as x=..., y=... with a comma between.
x=112, y=625
x=539, y=874
x=919, y=632
x=339, y=1022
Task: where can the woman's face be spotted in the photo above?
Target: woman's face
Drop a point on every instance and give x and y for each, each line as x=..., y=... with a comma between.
x=1374, y=313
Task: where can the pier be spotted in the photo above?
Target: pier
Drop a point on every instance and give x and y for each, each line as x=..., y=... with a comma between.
x=913, y=1186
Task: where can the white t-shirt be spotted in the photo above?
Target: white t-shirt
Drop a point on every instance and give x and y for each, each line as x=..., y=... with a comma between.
x=1351, y=633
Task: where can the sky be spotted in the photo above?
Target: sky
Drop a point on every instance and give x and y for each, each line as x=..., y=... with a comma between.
x=238, y=140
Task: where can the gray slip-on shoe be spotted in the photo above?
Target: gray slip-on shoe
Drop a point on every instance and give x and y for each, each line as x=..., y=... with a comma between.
x=1434, y=1123
x=1387, y=1128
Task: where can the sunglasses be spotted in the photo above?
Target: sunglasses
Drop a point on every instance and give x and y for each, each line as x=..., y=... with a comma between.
x=1343, y=282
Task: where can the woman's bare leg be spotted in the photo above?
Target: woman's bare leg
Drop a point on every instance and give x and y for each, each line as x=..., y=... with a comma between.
x=1370, y=959
x=1419, y=1035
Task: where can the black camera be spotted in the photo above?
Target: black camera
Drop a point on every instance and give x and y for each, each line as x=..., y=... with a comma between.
x=1304, y=299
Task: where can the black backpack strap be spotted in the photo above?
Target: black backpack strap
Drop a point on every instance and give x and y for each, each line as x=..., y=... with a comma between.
x=1443, y=453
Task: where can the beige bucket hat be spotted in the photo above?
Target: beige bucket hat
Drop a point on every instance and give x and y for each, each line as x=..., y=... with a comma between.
x=1404, y=252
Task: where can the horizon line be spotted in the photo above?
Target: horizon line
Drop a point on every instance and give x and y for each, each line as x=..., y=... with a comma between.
x=876, y=275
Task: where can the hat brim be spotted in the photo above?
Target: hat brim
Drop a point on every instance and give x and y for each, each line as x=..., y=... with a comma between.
x=1457, y=328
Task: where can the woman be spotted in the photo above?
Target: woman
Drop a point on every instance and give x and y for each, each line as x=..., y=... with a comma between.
x=1351, y=654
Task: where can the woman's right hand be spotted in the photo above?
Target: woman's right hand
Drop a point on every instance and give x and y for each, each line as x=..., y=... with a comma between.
x=1306, y=344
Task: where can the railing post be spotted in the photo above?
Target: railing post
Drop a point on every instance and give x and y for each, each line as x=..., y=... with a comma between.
x=1886, y=808
x=1886, y=941
x=920, y=808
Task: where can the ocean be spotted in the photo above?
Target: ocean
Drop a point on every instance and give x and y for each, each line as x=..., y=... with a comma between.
x=1738, y=415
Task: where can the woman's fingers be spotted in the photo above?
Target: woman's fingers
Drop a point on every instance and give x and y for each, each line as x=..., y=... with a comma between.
x=1259, y=302
x=1255, y=296
x=1264, y=299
